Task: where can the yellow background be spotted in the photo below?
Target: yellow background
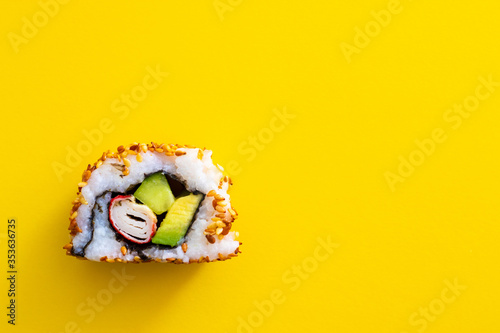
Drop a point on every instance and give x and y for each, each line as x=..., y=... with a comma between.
x=321, y=176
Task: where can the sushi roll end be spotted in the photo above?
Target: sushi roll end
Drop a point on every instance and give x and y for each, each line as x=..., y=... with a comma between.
x=153, y=202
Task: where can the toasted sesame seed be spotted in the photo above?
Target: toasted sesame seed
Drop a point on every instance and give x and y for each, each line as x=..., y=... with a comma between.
x=184, y=247
x=68, y=246
x=218, y=231
x=75, y=207
x=86, y=175
x=221, y=236
x=210, y=239
x=126, y=162
x=211, y=193
x=220, y=224
x=124, y=250
x=110, y=260
x=137, y=258
x=215, y=219
x=219, y=197
x=170, y=259
x=74, y=215
x=220, y=209
x=232, y=212
x=221, y=215
x=139, y=158
x=82, y=184
x=221, y=257
x=200, y=154
x=126, y=172
x=179, y=153
x=222, y=203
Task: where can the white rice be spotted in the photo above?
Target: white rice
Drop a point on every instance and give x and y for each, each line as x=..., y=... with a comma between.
x=197, y=175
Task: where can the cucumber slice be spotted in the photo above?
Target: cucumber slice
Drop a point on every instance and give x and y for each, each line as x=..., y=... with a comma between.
x=178, y=219
x=155, y=193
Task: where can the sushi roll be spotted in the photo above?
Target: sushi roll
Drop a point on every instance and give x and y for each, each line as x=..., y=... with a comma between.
x=153, y=202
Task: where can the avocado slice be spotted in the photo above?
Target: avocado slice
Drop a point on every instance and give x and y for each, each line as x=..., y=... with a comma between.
x=155, y=193
x=178, y=219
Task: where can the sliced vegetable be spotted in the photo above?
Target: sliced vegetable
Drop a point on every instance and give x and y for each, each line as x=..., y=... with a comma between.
x=175, y=225
x=155, y=192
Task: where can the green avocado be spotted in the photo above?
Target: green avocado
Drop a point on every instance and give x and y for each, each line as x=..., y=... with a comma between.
x=178, y=219
x=155, y=193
